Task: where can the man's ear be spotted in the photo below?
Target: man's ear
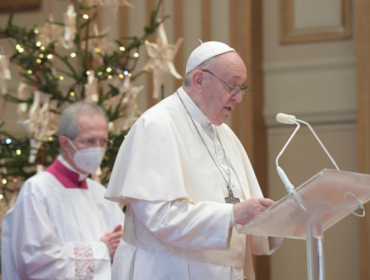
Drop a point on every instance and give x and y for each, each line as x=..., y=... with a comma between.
x=197, y=81
x=63, y=142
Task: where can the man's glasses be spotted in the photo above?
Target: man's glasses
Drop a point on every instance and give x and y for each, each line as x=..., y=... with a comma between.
x=234, y=89
x=90, y=142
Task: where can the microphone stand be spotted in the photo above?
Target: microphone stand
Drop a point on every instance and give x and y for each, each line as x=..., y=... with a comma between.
x=290, y=119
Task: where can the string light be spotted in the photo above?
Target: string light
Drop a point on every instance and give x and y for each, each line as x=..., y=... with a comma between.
x=122, y=48
x=1, y=196
x=38, y=44
x=8, y=141
x=42, y=48
x=36, y=31
x=125, y=72
x=110, y=77
x=18, y=46
x=18, y=152
x=51, y=137
x=109, y=69
x=38, y=60
x=41, y=55
x=20, y=50
x=50, y=56
x=136, y=55
x=73, y=54
x=72, y=93
x=85, y=16
x=61, y=78
x=15, y=180
x=100, y=73
x=88, y=72
x=29, y=72
x=4, y=181
x=129, y=74
x=121, y=76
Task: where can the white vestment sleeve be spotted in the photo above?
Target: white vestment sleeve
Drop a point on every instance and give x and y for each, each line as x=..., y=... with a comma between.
x=200, y=226
x=38, y=253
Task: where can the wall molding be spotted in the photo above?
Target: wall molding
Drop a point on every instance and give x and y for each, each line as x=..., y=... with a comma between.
x=317, y=118
x=271, y=68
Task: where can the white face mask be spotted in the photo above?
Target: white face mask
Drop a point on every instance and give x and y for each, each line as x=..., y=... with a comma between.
x=88, y=159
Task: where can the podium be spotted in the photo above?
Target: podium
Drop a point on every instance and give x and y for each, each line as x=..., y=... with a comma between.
x=327, y=198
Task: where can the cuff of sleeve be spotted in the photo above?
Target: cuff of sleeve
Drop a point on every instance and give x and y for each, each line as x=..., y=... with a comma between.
x=100, y=251
x=232, y=219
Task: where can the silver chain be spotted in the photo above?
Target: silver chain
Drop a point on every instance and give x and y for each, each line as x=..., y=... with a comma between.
x=204, y=143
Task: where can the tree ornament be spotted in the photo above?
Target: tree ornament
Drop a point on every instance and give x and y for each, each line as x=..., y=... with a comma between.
x=161, y=55
x=91, y=88
x=70, y=27
x=50, y=32
x=4, y=71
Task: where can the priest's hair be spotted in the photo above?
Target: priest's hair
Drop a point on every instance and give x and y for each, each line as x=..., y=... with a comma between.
x=68, y=125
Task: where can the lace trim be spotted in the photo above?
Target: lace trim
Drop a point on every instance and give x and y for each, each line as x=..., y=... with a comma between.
x=84, y=265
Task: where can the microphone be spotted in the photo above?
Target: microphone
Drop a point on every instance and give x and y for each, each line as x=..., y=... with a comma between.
x=290, y=119
x=284, y=118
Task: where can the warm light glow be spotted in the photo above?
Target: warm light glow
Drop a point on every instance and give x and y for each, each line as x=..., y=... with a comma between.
x=125, y=72
x=73, y=54
x=38, y=44
x=38, y=60
x=109, y=69
x=18, y=46
x=85, y=16
x=29, y=72
x=50, y=56
x=136, y=55
x=129, y=74
x=21, y=50
x=41, y=55
x=97, y=50
x=87, y=72
x=4, y=181
x=15, y=180
x=1, y=196
x=18, y=152
x=110, y=77
x=8, y=141
x=146, y=42
x=50, y=138
x=61, y=78
x=72, y=93
x=42, y=48
x=36, y=31
x=122, y=48
x=121, y=76
x=100, y=73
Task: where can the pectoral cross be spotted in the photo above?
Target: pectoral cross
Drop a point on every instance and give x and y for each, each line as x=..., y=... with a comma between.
x=231, y=199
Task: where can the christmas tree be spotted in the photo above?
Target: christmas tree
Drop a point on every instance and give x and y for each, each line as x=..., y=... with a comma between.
x=64, y=62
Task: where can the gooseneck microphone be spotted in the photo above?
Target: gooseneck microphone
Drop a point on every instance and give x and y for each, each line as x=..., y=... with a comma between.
x=290, y=119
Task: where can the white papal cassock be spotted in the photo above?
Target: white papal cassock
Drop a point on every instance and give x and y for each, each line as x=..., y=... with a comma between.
x=177, y=224
x=53, y=229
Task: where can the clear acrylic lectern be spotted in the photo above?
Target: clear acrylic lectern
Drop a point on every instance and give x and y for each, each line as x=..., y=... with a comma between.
x=328, y=197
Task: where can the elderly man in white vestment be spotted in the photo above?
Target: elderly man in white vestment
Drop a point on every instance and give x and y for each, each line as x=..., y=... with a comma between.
x=186, y=181
x=61, y=227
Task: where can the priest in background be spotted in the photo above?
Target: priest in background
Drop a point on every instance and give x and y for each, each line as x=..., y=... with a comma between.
x=61, y=227
x=186, y=181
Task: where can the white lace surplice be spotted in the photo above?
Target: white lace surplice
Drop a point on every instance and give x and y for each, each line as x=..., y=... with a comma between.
x=53, y=232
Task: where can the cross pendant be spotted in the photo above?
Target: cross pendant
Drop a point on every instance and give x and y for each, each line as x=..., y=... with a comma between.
x=231, y=199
